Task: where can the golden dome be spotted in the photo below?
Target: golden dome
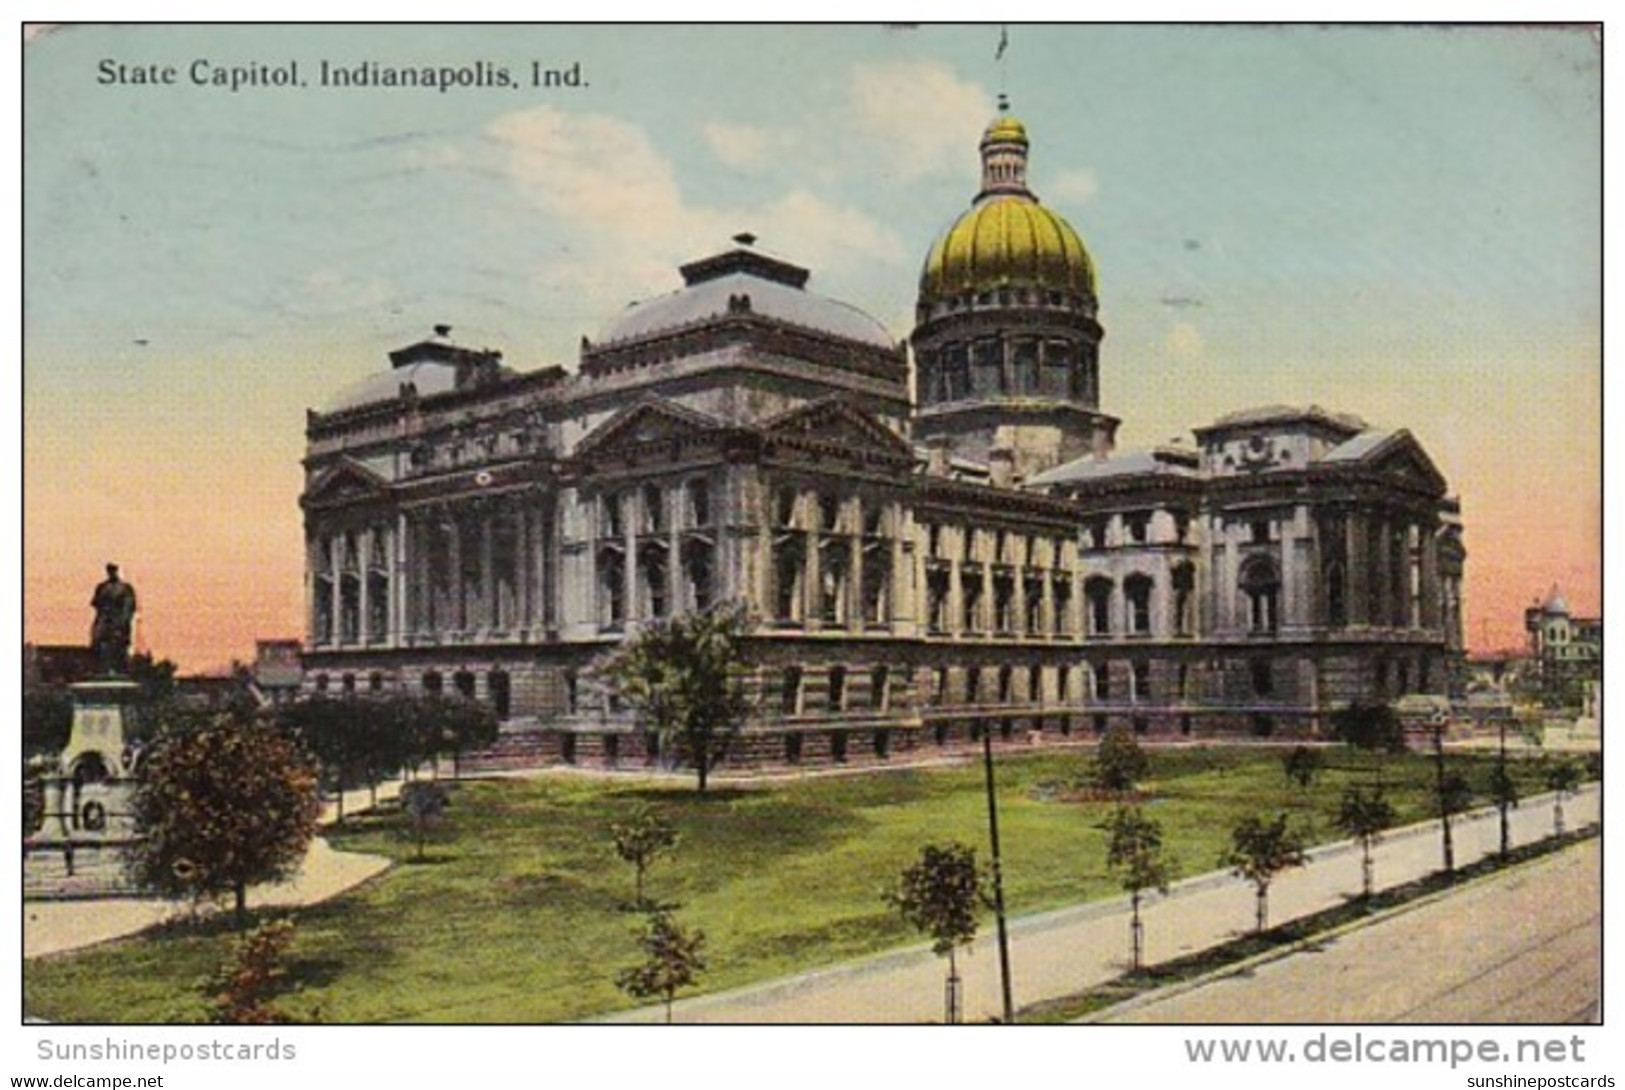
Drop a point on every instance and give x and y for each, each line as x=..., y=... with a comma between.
x=1007, y=240
x=1005, y=129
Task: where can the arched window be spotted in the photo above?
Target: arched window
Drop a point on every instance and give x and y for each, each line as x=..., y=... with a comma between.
x=789, y=567
x=1184, y=584
x=1137, y=590
x=653, y=572
x=611, y=588
x=1097, y=590
x=1261, y=583
x=1337, y=608
x=697, y=575
x=699, y=502
x=936, y=591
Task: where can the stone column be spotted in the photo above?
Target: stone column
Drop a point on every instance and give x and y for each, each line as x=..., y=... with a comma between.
x=522, y=563
x=674, y=556
x=1430, y=578
x=811, y=575
x=854, y=583
x=311, y=567
x=363, y=629
x=485, y=619
x=459, y=600
x=629, y=539
x=1358, y=570
x=335, y=568
x=546, y=552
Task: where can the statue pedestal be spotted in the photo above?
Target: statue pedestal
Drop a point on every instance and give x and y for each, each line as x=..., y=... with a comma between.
x=101, y=709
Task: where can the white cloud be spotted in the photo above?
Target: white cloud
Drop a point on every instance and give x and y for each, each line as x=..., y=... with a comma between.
x=921, y=117
x=1067, y=187
x=748, y=148
x=617, y=210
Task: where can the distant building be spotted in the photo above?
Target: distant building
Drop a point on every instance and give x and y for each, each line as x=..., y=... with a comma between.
x=1566, y=650
x=936, y=536
x=56, y=666
x=277, y=672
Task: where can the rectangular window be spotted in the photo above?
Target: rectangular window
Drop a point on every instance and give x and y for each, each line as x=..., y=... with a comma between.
x=790, y=694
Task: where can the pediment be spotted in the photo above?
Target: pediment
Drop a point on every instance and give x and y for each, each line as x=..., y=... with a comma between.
x=347, y=482
x=837, y=423
x=1400, y=458
x=649, y=421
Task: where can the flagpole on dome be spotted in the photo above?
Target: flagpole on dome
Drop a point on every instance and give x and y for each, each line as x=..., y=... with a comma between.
x=1004, y=68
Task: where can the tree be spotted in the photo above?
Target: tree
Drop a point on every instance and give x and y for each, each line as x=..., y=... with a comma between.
x=455, y=725
x=1260, y=849
x=1372, y=728
x=683, y=677
x=641, y=841
x=424, y=803
x=1562, y=779
x=1365, y=815
x=1451, y=794
x=1135, y=850
x=1302, y=765
x=155, y=711
x=47, y=721
x=242, y=989
x=325, y=729
x=1119, y=763
x=939, y=896
x=671, y=961
x=155, y=676
x=220, y=808
x=1504, y=791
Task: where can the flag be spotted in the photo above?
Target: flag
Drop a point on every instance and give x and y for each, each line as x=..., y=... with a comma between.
x=1004, y=43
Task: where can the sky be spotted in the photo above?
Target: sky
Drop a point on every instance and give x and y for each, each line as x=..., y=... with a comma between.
x=1402, y=223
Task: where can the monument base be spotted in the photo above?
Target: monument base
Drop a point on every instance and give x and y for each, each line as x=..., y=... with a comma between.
x=77, y=850
x=101, y=729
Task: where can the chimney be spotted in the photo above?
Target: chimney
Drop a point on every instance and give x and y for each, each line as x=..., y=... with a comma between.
x=936, y=458
x=1001, y=467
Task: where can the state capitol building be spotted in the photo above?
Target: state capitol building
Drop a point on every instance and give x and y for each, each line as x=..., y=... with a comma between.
x=933, y=538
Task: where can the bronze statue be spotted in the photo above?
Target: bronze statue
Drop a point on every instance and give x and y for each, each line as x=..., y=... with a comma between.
x=114, y=603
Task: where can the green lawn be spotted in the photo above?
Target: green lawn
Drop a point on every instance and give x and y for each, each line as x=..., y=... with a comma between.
x=518, y=914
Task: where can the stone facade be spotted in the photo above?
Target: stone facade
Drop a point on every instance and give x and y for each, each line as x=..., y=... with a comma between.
x=923, y=561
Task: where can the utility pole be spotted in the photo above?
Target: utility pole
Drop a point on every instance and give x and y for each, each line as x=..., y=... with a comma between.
x=998, y=876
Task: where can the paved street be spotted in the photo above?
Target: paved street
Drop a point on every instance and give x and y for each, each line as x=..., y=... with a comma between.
x=1525, y=946
x=1059, y=953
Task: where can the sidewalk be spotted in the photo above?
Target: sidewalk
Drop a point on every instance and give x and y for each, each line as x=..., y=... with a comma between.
x=1058, y=953
x=51, y=927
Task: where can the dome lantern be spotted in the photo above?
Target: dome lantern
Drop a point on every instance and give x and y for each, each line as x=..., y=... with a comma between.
x=1004, y=155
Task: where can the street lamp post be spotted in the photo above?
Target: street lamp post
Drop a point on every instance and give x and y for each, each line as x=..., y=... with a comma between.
x=998, y=876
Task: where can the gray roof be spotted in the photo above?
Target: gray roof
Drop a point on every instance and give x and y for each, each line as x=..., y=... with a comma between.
x=1090, y=468
x=428, y=376
x=709, y=299
x=1268, y=414
x=1357, y=448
